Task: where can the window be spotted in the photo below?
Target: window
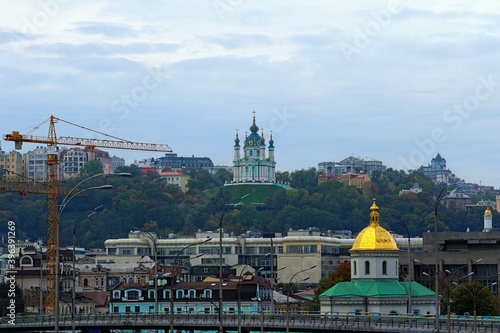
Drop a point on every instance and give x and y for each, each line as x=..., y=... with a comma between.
x=151, y=294
x=166, y=294
x=192, y=293
x=85, y=282
x=127, y=309
x=137, y=309
x=179, y=294
x=206, y=270
x=115, y=309
x=133, y=294
x=384, y=267
x=355, y=268
x=116, y=294
x=367, y=267
x=130, y=280
x=208, y=293
x=25, y=261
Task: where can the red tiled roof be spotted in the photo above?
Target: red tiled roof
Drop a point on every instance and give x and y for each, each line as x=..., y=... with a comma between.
x=100, y=297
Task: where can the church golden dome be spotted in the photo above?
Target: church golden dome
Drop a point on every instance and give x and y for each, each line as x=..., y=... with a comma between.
x=487, y=212
x=374, y=237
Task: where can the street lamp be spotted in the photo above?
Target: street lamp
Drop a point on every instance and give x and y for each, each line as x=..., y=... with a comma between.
x=403, y=224
x=239, y=287
x=436, y=253
x=78, y=220
x=221, y=329
x=175, y=271
x=65, y=201
x=288, y=295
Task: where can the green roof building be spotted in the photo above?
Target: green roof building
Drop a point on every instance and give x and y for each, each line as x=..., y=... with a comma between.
x=375, y=285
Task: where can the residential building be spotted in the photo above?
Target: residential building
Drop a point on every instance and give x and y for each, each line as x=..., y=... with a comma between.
x=176, y=178
x=437, y=171
x=254, y=166
x=375, y=285
x=173, y=162
x=456, y=200
x=35, y=163
x=352, y=164
x=12, y=162
x=117, y=162
x=71, y=160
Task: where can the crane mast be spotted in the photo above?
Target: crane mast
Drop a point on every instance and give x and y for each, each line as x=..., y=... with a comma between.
x=52, y=189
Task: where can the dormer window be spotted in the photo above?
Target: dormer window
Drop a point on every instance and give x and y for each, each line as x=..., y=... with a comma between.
x=133, y=295
x=116, y=294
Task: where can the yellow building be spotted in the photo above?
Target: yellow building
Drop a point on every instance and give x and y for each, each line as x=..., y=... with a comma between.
x=12, y=162
x=355, y=179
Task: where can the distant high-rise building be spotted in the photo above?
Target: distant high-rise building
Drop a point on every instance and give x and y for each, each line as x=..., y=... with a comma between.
x=12, y=162
x=351, y=164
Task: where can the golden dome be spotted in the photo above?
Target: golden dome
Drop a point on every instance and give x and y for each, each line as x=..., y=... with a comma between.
x=487, y=212
x=374, y=237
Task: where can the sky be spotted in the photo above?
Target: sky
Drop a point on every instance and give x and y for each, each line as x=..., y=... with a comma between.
x=397, y=80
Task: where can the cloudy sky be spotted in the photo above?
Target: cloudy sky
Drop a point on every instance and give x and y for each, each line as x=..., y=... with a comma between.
x=394, y=80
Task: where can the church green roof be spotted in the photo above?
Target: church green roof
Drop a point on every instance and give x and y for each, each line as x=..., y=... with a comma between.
x=377, y=289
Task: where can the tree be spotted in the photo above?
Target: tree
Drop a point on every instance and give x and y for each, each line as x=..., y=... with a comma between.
x=341, y=274
x=91, y=168
x=132, y=169
x=469, y=296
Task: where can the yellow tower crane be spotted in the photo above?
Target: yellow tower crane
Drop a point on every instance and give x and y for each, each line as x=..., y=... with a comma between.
x=52, y=189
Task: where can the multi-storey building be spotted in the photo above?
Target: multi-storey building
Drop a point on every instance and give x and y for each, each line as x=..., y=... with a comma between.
x=35, y=163
x=117, y=162
x=174, y=162
x=176, y=178
x=437, y=171
x=298, y=250
x=12, y=162
x=351, y=164
x=348, y=179
x=71, y=160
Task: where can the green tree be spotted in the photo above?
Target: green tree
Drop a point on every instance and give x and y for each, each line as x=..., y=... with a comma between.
x=469, y=296
x=132, y=169
x=91, y=168
x=306, y=179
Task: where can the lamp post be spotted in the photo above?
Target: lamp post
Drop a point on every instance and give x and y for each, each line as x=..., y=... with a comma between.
x=65, y=201
x=78, y=220
x=403, y=224
x=288, y=295
x=221, y=328
x=271, y=236
x=239, y=287
x=436, y=253
x=172, y=278
x=153, y=240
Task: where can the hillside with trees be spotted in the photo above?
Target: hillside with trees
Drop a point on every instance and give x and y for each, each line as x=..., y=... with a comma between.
x=148, y=202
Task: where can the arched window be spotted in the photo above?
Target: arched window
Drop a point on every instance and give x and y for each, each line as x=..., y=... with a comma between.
x=85, y=282
x=208, y=293
x=130, y=280
x=384, y=267
x=179, y=294
x=367, y=267
x=166, y=294
x=116, y=294
x=192, y=293
x=124, y=280
x=26, y=261
x=355, y=269
x=151, y=294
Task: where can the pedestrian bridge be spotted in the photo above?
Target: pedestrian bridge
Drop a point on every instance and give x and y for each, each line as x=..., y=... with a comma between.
x=257, y=322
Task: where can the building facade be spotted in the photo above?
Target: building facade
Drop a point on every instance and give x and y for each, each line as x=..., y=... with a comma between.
x=174, y=162
x=71, y=160
x=352, y=164
x=13, y=162
x=176, y=178
x=254, y=166
x=437, y=171
x=35, y=163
